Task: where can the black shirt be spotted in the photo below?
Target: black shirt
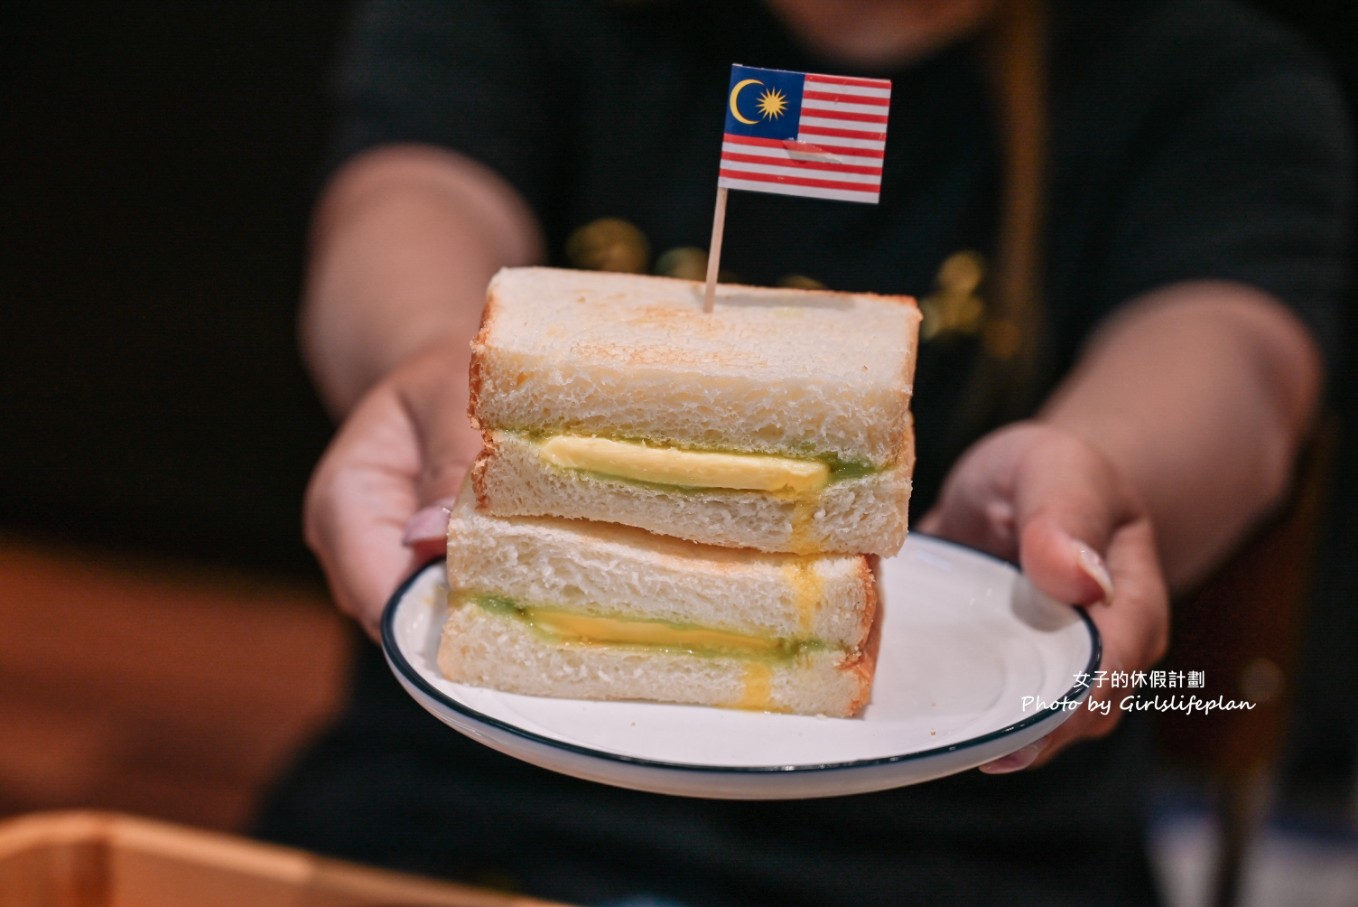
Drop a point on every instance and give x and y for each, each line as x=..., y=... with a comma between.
x=1188, y=140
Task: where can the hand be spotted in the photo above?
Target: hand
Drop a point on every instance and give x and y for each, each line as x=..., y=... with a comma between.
x=376, y=505
x=1042, y=497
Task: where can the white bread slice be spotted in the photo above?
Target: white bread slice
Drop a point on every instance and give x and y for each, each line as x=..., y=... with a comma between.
x=792, y=372
x=611, y=570
x=483, y=648
x=827, y=603
x=866, y=514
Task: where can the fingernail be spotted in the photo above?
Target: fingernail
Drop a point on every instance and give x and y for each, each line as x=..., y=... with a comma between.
x=1016, y=761
x=1095, y=569
x=427, y=525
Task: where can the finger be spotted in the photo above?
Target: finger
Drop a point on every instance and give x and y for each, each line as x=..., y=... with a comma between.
x=1133, y=630
x=1018, y=760
x=1068, y=502
x=427, y=531
x=1133, y=635
x=358, y=503
x=434, y=393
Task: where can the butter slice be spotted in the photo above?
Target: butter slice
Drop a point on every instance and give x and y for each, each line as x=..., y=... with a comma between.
x=592, y=629
x=689, y=468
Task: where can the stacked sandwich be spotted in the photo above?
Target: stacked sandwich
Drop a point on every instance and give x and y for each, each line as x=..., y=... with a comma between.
x=678, y=505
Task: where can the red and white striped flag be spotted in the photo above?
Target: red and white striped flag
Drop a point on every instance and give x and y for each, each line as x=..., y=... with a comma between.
x=805, y=134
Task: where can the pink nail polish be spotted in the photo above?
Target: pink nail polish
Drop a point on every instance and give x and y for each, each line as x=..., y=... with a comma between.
x=1095, y=569
x=428, y=524
x=1016, y=761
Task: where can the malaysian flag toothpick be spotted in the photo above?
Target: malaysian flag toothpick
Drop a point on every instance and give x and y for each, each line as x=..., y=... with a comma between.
x=799, y=133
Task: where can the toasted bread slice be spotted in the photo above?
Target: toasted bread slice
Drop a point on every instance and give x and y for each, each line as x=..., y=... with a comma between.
x=802, y=373
x=590, y=610
x=814, y=376
x=486, y=648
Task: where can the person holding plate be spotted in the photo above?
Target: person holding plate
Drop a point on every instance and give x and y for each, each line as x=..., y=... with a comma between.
x=1127, y=229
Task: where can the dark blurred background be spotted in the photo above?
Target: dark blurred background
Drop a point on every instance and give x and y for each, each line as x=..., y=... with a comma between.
x=167, y=643
x=157, y=162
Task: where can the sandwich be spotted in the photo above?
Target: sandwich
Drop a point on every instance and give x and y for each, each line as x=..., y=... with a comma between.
x=563, y=608
x=779, y=421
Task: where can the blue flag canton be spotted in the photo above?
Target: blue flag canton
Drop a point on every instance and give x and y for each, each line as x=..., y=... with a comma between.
x=764, y=103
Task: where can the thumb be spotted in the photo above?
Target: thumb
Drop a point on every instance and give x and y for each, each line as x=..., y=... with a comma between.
x=1065, y=514
x=1063, y=565
x=448, y=445
x=449, y=448
x=426, y=531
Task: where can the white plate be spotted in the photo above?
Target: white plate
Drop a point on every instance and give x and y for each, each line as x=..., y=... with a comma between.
x=965, y=641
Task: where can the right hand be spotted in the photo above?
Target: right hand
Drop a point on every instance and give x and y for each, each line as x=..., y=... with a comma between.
x=376, y=504
x=1040, y=496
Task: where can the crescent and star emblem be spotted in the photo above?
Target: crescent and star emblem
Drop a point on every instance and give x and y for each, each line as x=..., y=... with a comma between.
x=772, y=104
x=735, y=95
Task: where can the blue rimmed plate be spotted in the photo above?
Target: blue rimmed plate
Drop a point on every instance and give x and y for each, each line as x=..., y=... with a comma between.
x=974, y=663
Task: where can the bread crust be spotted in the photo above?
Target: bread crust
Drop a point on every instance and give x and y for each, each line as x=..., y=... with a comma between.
x=867, y=571
x=866, y=664
x=476, y=476
x=476, y=377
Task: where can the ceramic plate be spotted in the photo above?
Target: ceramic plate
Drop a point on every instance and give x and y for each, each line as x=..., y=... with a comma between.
x=974, y=663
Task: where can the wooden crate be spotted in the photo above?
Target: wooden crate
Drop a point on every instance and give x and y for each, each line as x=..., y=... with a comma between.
x=95, y=859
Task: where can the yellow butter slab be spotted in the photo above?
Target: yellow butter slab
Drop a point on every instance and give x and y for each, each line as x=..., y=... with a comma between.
x=588, y=628
x=690, y=468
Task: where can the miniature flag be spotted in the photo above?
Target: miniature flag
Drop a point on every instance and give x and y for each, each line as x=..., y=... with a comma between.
x=796, y=133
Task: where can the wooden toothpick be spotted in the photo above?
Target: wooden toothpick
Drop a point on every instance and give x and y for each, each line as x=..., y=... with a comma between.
x=714, y=253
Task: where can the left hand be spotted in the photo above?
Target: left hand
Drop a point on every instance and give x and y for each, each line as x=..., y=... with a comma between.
x=1039, y=496
x=377, y=504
